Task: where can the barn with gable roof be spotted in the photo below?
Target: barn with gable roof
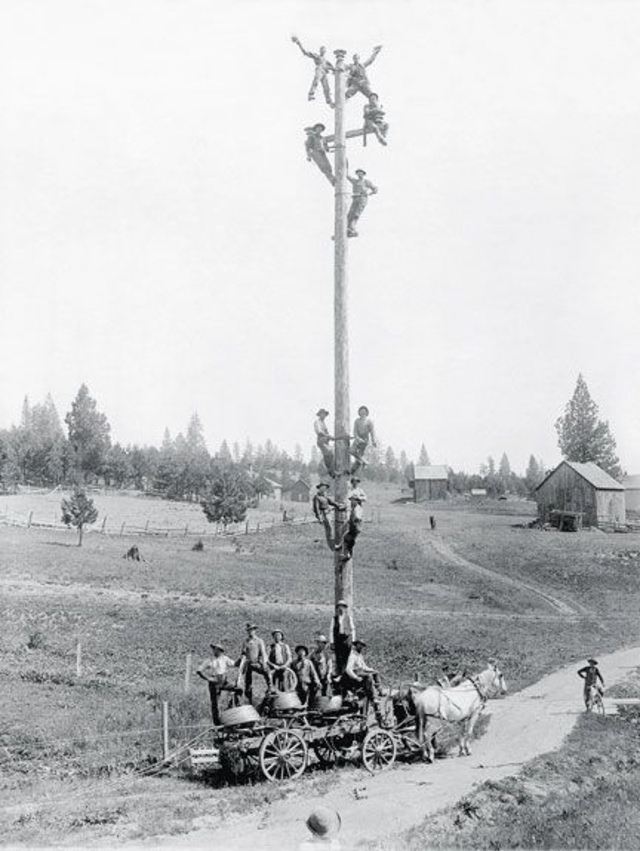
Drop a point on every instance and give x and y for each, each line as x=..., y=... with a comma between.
x=581, y=493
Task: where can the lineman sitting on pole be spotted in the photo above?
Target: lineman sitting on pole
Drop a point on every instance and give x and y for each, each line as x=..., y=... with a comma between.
x=362, y=188
x=323, y=68
x=356, y=498
x=374, y=120
x=322, y=503
x=363, y=432
x=323, y=438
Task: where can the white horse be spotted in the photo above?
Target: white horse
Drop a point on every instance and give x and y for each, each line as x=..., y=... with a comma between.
x=460, y=704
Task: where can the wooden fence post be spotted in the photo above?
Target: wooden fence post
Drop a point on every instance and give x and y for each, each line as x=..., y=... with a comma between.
x=30, y=519
x=187, y=674
x=258, y=527
x=78, y=658
x=122, y=530
x=186, y=530
x=246, y=528
x=146, y=528
x=104, y=524
x=165, y=729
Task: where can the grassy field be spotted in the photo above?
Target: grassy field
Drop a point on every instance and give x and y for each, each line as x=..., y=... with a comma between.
x=137, y=622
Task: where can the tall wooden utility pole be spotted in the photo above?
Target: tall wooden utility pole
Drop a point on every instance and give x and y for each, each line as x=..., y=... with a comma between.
x=343, y=569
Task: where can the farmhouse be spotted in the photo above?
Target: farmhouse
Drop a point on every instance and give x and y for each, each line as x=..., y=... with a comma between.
x=631, y=485
x=299, y=491
x=430, y=482
x=583, y=493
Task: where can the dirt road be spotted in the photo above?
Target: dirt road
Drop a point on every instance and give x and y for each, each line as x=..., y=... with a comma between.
x=521, y=727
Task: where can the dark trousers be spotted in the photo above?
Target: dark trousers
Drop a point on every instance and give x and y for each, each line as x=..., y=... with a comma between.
x=251, y=669
x=277, y=677
x=353, y=530
x=215, y=692
x=306, y=692
x=342, y=648
x=370, y=684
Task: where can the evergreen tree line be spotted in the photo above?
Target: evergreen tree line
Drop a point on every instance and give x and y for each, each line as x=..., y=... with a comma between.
x=41, y=451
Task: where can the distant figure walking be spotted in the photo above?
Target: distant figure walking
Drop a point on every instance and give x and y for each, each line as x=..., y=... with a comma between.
x=432, y=521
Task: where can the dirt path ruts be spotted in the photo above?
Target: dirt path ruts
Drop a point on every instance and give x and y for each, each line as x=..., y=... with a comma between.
x=521, y=726
x=20, y=587
x=448, y=553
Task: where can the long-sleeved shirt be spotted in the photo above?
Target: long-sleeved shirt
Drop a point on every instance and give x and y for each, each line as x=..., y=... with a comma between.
x=280, y=654
x=305, y=672
x=322, y=662
x=215, y=667
x=254, y=650
x=343, y=625
x=356, y=666
x=321, y=430
x=590, y=674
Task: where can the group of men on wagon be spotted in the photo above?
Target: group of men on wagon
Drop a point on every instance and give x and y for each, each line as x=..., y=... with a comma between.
x=335, y=666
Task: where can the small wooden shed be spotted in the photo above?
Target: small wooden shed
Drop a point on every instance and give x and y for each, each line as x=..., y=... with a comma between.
x=430, y=482
x=583, y=491
x=299, y=491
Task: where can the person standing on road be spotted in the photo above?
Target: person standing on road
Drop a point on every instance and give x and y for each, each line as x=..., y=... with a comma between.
x=215, y=671
x=591, y=675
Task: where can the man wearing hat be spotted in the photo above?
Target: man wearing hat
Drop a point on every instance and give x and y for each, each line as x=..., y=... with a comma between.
x=323, y=438
x=279, y=659
x=316, y=147
x=374, y=119
x=215, y=671
x=343, y=633
x=308, y=682
x=322, y=662
x=362, y=188
x=357, y=498
x=363, y=432
x=357, y=80
x=591, y=675
x=322, y=503
x=253, y=656
x=358, y=675
x=323, y=68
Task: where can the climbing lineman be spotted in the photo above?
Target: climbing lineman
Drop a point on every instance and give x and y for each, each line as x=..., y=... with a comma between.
x=362, y=188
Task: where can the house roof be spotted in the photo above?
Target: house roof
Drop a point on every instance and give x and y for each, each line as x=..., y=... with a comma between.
x=300, y=481
x=591, y=473
x=631, y=483
x=478, y=491
x=431, y=472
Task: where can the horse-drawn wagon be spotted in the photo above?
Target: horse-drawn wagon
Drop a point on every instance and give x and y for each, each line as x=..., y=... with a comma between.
x=278, y=744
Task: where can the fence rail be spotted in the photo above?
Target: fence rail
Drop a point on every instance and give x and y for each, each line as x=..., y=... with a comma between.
x=134, y=529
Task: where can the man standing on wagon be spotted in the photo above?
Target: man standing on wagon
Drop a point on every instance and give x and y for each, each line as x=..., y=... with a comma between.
x=343, y=633
x=214, y=671
x=253, y=659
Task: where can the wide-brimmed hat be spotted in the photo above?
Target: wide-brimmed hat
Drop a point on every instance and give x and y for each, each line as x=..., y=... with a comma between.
x=319, y=126
x=359, y=642
x=251, y=626
x=592, y=661
x=342, y=603
x=323, y=485
x=217, y=647
x=323, y=822
x=277, y=632
x=302, y=647
x=363, y=407
x=322, y=638
x=355, y=479
x=321, y=412
x=361, y=171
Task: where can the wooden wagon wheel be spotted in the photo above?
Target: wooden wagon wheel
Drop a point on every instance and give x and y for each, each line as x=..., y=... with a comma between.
x=378, y=750
x=326, y=753
x=283, y=755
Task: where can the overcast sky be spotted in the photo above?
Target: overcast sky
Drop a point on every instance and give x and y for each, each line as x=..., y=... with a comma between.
x=163, y=239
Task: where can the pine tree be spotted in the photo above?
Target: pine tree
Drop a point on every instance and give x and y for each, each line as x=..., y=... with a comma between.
x=583, y=437
x=533, y=475
x=423, y=460
x=78, y=511
x=88, y=434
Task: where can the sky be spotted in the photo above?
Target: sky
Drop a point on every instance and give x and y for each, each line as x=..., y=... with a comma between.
x=164, y=240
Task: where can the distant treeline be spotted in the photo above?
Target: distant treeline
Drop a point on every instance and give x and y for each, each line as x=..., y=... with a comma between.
x=41, y=451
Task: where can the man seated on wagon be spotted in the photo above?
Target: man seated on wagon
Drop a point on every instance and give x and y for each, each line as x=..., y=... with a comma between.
x=360, y=677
